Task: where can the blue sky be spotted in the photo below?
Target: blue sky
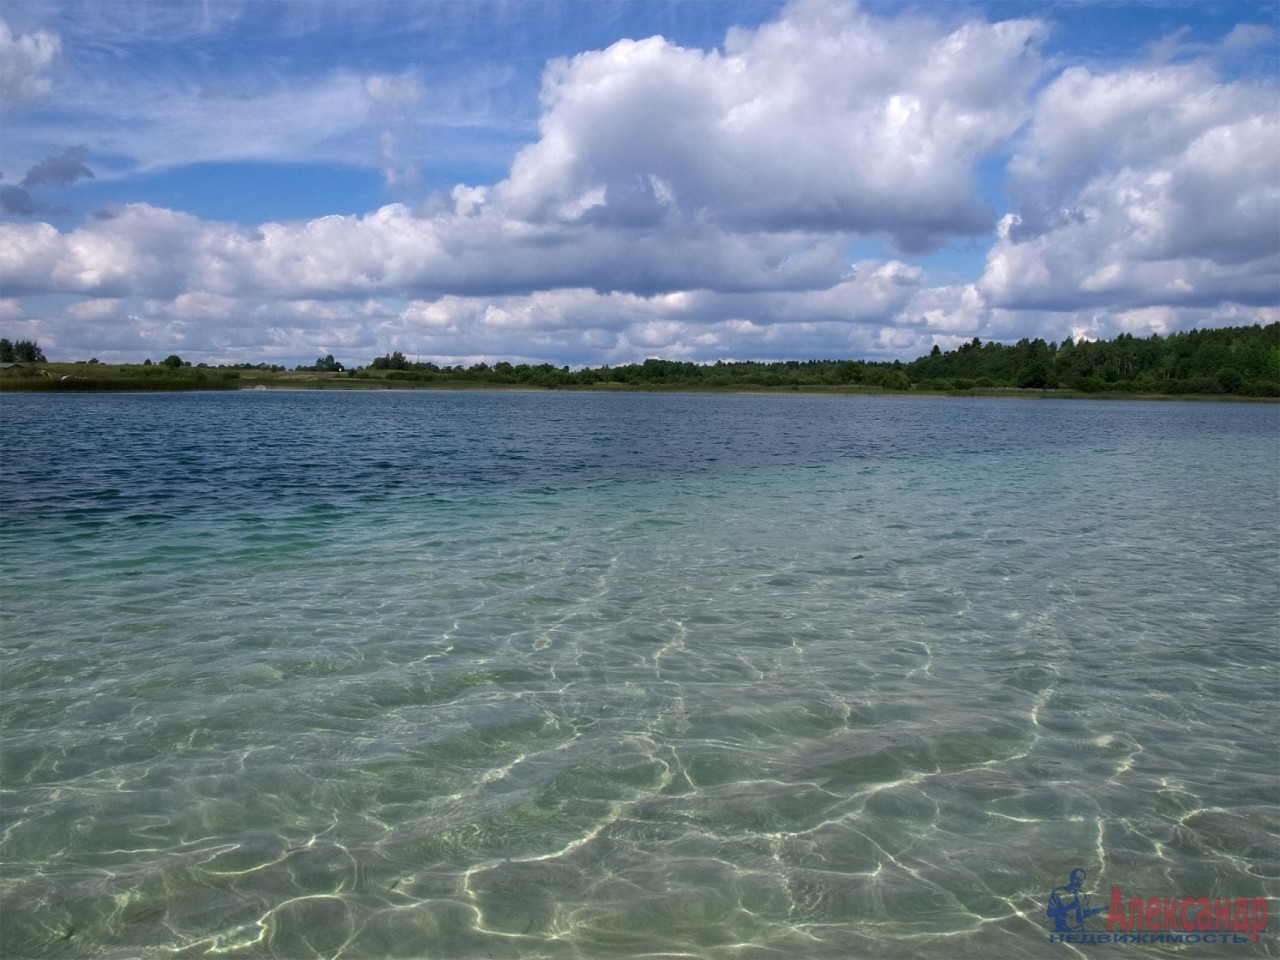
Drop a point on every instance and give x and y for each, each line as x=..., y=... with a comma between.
x=593, y=182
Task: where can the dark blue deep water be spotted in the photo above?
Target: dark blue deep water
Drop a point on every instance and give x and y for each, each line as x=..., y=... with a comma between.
x=419, y=674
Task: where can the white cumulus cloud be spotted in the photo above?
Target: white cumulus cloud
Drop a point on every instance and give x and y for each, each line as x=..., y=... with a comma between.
x=1143, y=186
x=24, y=66
x=827, y=120
x=687, y=202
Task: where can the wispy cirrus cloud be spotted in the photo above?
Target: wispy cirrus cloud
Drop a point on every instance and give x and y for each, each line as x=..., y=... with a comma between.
x=153, y=87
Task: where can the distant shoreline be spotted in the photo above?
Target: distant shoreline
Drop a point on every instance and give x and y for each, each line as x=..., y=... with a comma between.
x=1221, y=363
x=68, y=384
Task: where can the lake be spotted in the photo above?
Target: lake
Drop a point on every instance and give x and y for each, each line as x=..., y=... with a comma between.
x=442, y=674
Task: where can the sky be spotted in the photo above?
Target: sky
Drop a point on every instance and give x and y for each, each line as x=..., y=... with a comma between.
x=592, y=182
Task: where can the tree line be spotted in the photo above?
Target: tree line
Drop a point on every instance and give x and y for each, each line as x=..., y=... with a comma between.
x=1238, y=360
x=24, y=351
x=1244, y=361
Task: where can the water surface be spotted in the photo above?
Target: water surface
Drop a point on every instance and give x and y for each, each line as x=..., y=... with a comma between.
x=545, y=675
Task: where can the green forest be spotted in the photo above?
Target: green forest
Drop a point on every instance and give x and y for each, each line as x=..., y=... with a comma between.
x=1244, y=361
x=1224, y=362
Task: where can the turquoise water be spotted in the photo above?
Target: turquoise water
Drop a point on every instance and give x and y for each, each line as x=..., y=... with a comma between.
x=542, y=675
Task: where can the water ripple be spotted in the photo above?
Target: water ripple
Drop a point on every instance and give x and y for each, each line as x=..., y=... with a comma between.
x=566, y=676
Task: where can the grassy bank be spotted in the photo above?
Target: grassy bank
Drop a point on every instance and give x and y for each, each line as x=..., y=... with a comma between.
x=95, y=378
x=50, y=377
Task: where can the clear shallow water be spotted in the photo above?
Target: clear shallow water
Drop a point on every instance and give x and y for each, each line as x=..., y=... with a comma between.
x=543, y=675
